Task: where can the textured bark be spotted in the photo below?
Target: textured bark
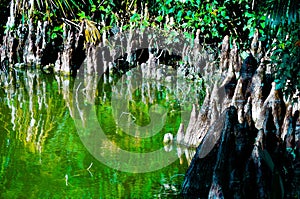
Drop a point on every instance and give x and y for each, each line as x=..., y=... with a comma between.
x=247, y=137
x=27, y=44
x=73, y=54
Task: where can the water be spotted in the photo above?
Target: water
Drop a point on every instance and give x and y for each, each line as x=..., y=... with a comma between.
x=42, y=155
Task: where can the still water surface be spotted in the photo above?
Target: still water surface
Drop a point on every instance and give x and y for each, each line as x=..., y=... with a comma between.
x=42, y=156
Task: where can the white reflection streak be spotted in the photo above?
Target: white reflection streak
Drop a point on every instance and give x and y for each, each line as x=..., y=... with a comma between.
x=78, y=108
x=88, y=169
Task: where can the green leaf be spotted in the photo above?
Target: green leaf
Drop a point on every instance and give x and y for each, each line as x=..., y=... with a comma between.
x=53, y=35
x=279, y=86
x=159, y=18
x=179, y=15
x=58, y=29
x=125, y=27
x=187, y=35
x=81, y=15
x=261, y=33
x=281, y=45
x=247, y=14
x=168, y=2
x=93, y=8
x=135, y=17
x=101, y=8
x=171, y=10
x=187, y=17
x=252, y=31
x=223, y=13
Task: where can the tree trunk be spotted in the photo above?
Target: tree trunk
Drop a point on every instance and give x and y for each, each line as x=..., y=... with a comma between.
x=248, y=141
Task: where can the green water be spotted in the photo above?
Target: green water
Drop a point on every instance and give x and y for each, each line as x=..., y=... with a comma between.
x=42, y=155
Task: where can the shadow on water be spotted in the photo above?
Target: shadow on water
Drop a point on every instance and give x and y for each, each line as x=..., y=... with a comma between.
x=42, y=156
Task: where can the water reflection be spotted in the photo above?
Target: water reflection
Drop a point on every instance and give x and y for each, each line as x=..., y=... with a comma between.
x=43, y=157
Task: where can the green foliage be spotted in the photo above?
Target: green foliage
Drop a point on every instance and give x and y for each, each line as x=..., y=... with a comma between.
x=57, y=31
x=214, y=18
x=281, y=26
x=286, y=58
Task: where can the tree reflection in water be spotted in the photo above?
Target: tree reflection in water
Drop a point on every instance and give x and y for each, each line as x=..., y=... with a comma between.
x=42, y=155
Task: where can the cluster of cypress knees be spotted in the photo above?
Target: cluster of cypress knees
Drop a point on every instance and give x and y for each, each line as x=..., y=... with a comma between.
x=248, y=135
